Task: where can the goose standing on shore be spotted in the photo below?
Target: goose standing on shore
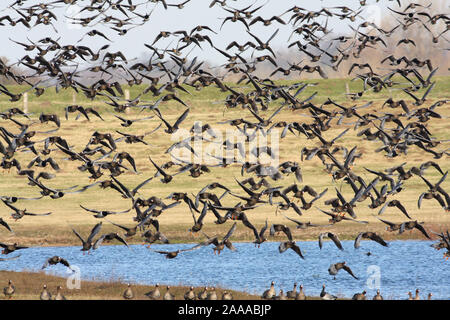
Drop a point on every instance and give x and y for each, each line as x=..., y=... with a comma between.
x=212, y=295
x=378, y=296
x=154, y=294
x=190, y=295
x=202, y=295
x=45, y=294
x=9, y=290
x=292, y=293
x=359, y=296
x=325, y=295
x=168, y=295
x=128, y=293
x=227, y=296
x=301, y=294
x=269, y=293
x=59, y=295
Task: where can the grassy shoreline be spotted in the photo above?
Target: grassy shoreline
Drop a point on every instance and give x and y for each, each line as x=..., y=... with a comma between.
x=66, y=237
x=29, y=286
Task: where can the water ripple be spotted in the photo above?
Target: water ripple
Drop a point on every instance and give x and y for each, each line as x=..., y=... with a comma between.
x=402, y=267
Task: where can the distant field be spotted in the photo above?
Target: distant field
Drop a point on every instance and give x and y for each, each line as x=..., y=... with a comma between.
x=206, y=106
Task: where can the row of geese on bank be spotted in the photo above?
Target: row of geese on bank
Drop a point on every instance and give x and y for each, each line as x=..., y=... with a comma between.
x=211, y=294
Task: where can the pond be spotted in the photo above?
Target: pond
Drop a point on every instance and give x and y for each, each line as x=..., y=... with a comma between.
x=395, y=270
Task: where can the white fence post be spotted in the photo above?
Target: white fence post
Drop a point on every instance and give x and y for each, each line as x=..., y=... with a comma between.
x=25, y=102
x=127, y=97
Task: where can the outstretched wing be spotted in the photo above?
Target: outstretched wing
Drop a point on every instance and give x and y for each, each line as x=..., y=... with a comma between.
x=64, y=262
x=346, y=268
x=263, y=230
x=297, y=250
x=419, y=227
x=358, y=240
x=98, y=242
x=336, y=240
x=230, y=232
x=321, y=239
x=77, y=234
x=90, y=210
x=3, y=223
x=122, y=240
x=36, y=214
x=181, y=118
x=375, y=237
x=94, y=231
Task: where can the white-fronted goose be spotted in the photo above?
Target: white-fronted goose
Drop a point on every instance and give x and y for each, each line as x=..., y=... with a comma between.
x=151, y=237
x=190, y=295
x=166, y=177
x=9, y=290
x=334, y=269
x=154, y=294
x=359, y=296
x=290, y=245
x=302, y=225
x=19, y=213
x=409, y=225
x=292, y=293
x=212, y=295
x=369, y=235
x=333, y=237
x=280, y=296
x=259, y=237
x=174, y=254
x=378, y=296
x=227, y=295
x=325, y=295
x=45, y=294
x=301, y=294
x=128, y=293
x=55, y=260
x=107, y=237
x=168, y=295
x=8, y=248
x=59, y=295
x=129, y=231
x=202, y=295
x=269, y=293
x=87, y=245
x=198, y=223
x=220, y=245
x=103, y=213
x=276, y=228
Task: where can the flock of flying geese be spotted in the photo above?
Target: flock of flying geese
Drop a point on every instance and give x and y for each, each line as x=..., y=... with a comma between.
x=49, y=63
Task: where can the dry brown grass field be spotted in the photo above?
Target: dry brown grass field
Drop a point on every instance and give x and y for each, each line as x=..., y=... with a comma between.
x=206, y=106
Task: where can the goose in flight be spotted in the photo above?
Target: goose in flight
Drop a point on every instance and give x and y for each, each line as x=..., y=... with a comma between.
x=333, y=237
x=87, y=244
x=336, y=267
x=369, y=235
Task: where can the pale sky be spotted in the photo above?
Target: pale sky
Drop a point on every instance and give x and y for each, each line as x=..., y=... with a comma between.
x=196, y=12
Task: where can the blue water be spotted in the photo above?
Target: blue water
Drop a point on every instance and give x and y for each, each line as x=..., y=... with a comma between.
x=395, y=270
